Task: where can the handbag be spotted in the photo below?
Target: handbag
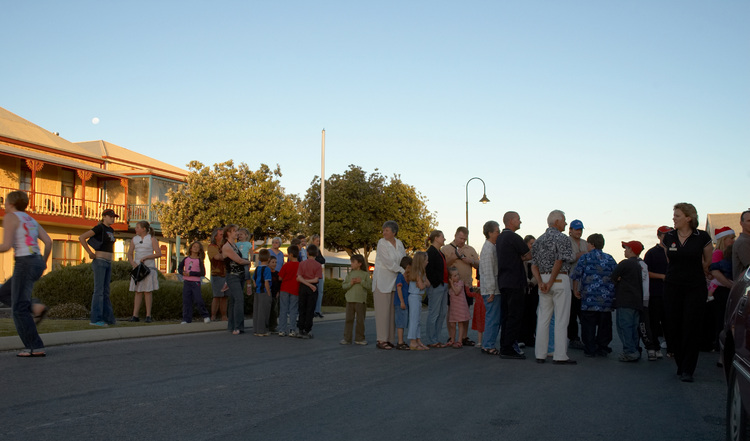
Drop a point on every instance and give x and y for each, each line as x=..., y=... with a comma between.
x=140, y=272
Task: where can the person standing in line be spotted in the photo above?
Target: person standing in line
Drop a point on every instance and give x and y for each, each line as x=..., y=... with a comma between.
x=263, y=295
x=356, y=284
x=531, y=302
x=315, y=240
x=235, y=273
x=629, y=298
x=580, y=247
x=551, y=256
x=390, y=251
x=302, y=247
x=22, y=233
x=308, y=274
x=218, y=276
x=289, y=295
x=465, y=258
x=101, y=262
x=144, y=248
x=489, y=290
x=417, y=279
x=437, y=290
x=656, y=260
x=593, y=285
x=741, y=248
x=511, y=280
x=193, y=270
x=685, y=291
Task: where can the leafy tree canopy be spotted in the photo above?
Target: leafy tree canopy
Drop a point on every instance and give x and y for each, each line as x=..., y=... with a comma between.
x=357, y=205
x=228, y=194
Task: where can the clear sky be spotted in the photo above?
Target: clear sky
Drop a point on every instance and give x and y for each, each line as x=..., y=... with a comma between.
x=610, y=111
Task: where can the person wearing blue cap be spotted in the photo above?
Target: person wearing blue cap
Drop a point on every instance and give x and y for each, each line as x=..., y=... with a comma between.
x=580, y=247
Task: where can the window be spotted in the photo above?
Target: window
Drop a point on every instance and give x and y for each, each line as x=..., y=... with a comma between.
x=66, y=252
x=24, y=177
x=67, y=183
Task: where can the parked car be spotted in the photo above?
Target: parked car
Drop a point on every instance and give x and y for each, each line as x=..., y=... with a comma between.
x=735, y=346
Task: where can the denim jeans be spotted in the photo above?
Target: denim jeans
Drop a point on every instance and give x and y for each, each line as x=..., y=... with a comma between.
x=288, y=311
x=28, y=270
x=415, y=309
x=191, y=296
x=627, y=329
x=101, y=306
x=235, y=303
x=437, y=308
x=491, y=322
x=319, y=302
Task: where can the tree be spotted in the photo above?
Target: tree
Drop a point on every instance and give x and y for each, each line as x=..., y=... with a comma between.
x=357, y=205
x=228, y=194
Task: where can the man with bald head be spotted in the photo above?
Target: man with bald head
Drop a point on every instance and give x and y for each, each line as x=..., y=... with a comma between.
x=511, y=280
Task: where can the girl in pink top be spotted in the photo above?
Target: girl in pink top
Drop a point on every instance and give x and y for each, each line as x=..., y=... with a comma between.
x=458, y=310
x=193, y=270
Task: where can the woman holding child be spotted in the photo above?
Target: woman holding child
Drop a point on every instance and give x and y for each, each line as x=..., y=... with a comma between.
x=235, y=272
x=387, y=265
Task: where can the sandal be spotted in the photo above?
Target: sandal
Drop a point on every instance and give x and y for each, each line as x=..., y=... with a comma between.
x=436, y=345
x=492, y=351
x=382, y=345
x=403, y=347
x=467, y=342
x=390, y=345
x=457, y=345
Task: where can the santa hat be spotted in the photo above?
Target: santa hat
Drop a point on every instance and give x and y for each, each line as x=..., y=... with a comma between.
x=723, y=232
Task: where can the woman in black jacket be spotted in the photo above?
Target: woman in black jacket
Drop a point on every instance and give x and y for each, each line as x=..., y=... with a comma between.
x=437, y=291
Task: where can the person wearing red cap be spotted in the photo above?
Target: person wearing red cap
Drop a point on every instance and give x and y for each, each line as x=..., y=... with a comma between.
x=656, y=261
x=685, y=291
x=629, y=298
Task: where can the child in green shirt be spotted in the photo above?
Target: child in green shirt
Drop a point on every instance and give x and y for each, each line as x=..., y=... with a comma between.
x=357, y=284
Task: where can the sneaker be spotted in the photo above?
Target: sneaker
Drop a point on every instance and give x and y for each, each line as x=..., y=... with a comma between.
x=302, y=334
x=651, y=355
x=292, y=334
x=148, y=319
x=184, y=323
x=99, y=323
x=361, y=342
x=521, y=344
x=206, y=320
x=659, y=355
x=282, y=334
x=628, y=358
x=344, y=342
x=517, y=350
x=134, y=319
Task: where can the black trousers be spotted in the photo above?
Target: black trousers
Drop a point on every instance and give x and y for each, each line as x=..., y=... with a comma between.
x=511, y=312
x=684, y=306
x=307, y=300
x=656, y=316
x=596, y=331
x=575, y=313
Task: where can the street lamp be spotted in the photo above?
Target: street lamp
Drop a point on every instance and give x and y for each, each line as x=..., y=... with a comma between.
x=484, y=200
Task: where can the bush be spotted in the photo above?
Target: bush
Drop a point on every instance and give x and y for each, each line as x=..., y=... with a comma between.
x=68, y=311
x=167, y=300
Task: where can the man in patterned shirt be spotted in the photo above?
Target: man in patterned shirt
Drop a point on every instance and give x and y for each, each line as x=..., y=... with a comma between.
x=593, y=286
x=552, y=253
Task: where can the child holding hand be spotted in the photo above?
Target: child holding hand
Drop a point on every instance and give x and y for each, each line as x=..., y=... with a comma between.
x=417, y=277
x=458, y=310
x=401, y=304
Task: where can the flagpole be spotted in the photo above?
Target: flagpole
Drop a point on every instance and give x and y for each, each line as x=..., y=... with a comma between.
x=322, y=192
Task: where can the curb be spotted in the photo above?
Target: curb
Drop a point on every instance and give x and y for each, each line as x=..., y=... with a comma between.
x=117, y=333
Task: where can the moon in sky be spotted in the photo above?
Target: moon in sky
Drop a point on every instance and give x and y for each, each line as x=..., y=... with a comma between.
x=94, y=120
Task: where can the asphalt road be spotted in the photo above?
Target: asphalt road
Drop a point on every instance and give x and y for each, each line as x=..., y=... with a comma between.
x=215, y=386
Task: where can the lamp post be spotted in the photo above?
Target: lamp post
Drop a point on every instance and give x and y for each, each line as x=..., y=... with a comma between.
x=484, y=200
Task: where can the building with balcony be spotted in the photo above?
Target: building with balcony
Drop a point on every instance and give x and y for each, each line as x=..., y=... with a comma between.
x=70, y=184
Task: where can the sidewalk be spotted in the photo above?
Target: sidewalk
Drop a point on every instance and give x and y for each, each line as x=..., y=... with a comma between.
x=116, y=333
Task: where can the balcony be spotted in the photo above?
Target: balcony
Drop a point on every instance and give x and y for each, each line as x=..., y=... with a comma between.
x=56, y=205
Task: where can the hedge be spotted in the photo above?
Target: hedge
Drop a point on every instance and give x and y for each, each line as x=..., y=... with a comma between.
x=75, y=285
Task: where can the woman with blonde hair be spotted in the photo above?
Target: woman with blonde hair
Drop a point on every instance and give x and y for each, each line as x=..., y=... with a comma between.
x=144, y=248
x=685, y=291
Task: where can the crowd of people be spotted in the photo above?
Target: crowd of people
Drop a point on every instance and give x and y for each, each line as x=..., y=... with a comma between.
x=529, y=291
